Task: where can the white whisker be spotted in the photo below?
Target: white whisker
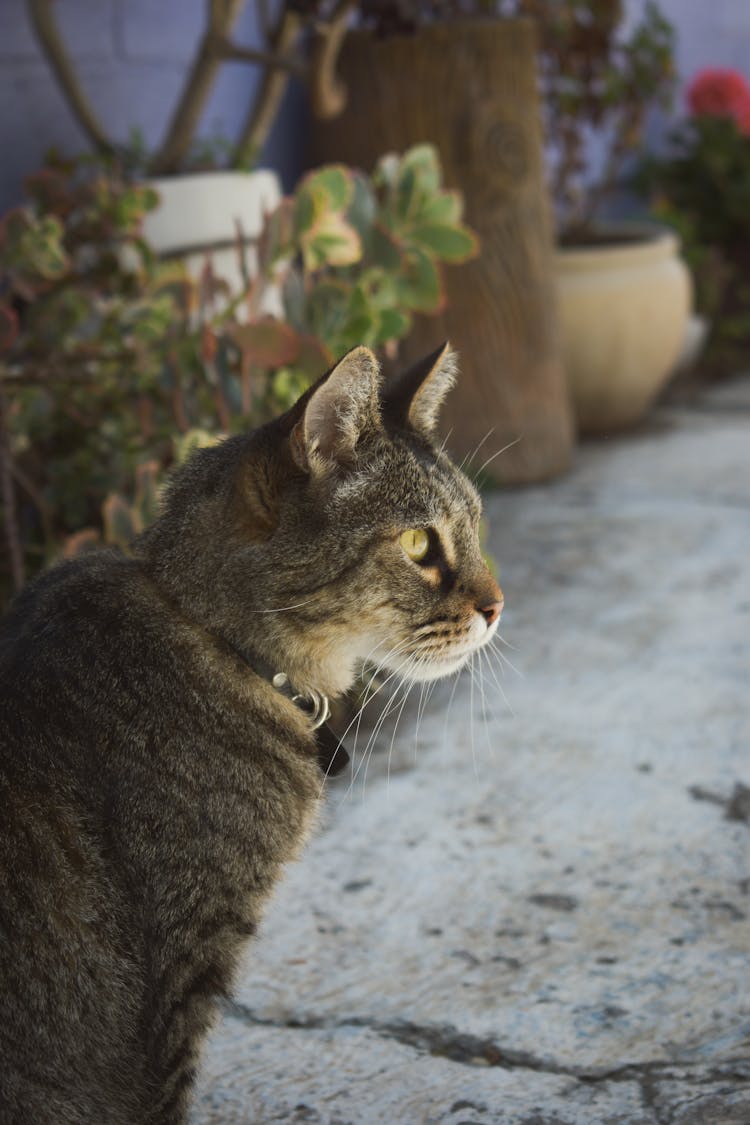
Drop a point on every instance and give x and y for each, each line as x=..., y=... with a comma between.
x=378, y=724
x=501, y=656
x=470, y=456
x=498, y=685
x=471, y=715
x=489, y=460
x=480, y=670
x=457, y=677
x=285, y=608
x=387, y=710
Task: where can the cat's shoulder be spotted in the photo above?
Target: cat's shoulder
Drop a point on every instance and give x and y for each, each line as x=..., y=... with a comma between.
x=95, y=594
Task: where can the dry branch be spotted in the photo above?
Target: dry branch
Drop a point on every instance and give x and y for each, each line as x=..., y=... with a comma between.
x=222, y=15
x=60, y=62
x=262, y=113
x=327, y=92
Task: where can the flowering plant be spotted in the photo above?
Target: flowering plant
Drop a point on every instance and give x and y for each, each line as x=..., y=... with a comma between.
x=702, y=188
x=721, y=93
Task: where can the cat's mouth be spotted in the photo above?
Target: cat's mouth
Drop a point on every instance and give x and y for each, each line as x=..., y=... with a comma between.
x=434, y=665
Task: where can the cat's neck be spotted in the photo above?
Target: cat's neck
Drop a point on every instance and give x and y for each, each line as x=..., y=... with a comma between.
x=310, y=670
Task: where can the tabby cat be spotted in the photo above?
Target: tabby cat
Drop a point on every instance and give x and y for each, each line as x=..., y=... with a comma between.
x=158, y=751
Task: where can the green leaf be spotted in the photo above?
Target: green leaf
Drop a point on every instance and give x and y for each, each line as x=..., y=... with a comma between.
x=33, y=247
x=307, y=207
x=444, y=207
x=332, y=241
x=406, y=198
x=362, y=209
x=393, y=324
x=447, y=243
x=287, y=385
x=150, y=198
x=279, y=231
x=327, y=310
x=422, y=162
x=385, y=250
x=387, y=170
x=336, y=181
x=421, y=288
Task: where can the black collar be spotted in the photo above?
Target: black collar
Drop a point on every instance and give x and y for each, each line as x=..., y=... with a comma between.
x=332, y=756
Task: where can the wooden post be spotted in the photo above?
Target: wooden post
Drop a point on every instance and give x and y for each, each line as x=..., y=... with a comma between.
x=470, y=87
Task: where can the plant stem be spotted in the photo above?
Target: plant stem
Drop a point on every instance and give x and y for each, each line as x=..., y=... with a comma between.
x=50, y=40
x=12, y=534
x=222, y=15
x=265, y=107
x=327, y=92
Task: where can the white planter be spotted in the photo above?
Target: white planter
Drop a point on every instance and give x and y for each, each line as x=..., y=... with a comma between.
x=624, y=308
x=198, y=215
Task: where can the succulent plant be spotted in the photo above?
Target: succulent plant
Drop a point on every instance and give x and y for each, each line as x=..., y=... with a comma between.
x=106, y=353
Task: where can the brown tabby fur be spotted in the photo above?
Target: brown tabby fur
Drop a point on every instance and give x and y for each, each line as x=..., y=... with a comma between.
x=152, y=781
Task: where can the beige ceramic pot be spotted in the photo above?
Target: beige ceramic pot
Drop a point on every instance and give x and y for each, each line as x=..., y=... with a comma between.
x=624, y=304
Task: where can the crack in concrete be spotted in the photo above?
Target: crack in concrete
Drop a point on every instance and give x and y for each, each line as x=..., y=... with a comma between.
x=446, y=1041
x=736, y=806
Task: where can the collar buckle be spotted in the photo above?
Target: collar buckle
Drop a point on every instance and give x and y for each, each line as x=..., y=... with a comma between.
x=313, y=703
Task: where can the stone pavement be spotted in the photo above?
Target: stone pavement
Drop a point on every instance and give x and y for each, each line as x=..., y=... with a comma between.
x=538, y=912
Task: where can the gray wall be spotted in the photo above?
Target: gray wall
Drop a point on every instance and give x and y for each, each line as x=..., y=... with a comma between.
x=132, y=57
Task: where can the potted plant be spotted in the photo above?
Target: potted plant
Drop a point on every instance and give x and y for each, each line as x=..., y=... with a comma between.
x=595, y=82
x=624, y=293
x=208, y=194
x=701, y=188
x=114, y=363
x=452, y=73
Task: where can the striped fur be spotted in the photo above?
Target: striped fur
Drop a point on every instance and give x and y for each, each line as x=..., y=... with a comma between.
x=152, y=785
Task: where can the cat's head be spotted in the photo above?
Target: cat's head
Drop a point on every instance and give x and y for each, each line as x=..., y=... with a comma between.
x=340, y=532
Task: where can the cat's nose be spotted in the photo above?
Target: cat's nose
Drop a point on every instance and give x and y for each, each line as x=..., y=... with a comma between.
x=491, y=611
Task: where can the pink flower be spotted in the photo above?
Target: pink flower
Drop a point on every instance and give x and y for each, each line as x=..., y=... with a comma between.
x=721, y=93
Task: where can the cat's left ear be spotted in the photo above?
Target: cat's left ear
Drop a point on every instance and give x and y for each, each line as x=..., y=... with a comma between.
x=340, y=410
x=415, y=398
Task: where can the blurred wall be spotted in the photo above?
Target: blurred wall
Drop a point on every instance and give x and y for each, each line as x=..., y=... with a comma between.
x=710, y=33
x=131, y=56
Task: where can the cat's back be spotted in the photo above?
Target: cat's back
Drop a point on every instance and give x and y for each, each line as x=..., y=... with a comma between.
x=62, y=911
x=136, y=835
x=63, y=620
x=93, y=649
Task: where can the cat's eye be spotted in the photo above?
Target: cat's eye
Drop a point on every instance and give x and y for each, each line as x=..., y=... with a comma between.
x=416, y=543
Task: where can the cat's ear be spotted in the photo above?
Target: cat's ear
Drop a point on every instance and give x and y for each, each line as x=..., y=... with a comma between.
x=415, y=398
x=340, y=410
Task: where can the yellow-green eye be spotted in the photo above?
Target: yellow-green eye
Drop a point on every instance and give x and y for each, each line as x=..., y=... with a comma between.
x=416, y=543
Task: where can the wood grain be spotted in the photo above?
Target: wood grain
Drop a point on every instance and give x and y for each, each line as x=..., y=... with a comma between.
x=471, y=89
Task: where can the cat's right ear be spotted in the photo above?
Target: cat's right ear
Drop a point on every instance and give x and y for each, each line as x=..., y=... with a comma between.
x=414, y=398
x=340, y=410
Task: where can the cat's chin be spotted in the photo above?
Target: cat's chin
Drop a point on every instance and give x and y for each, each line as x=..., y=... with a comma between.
x=439, y=669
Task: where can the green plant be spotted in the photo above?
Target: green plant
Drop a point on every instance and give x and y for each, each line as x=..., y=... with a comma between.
x=596, y=83
x=355, y=257
x=296, y=38
x=112, y=363
x=701, y=188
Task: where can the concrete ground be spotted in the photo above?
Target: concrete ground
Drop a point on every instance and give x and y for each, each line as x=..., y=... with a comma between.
x=537, y=912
